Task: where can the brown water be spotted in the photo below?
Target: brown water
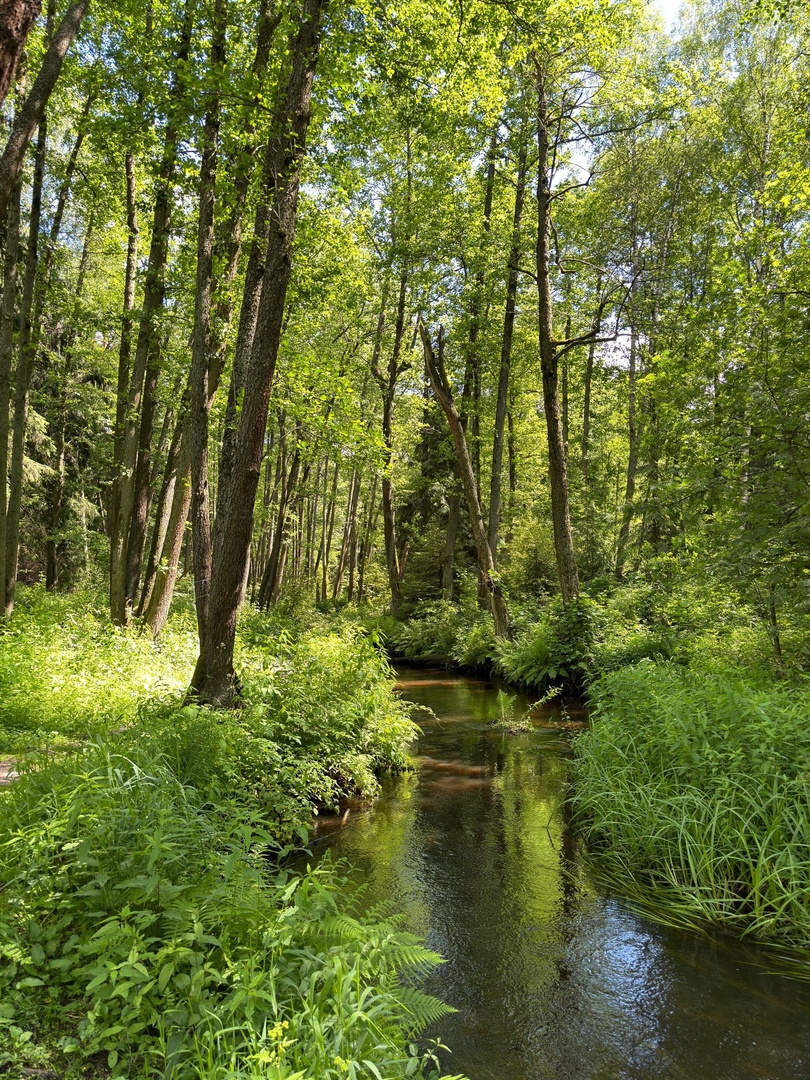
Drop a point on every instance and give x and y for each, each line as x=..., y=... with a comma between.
x=551, y=978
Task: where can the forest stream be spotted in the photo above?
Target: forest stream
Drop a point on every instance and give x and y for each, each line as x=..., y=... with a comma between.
x=551, y=978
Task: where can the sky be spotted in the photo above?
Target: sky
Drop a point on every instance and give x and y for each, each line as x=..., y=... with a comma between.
x=669, y=9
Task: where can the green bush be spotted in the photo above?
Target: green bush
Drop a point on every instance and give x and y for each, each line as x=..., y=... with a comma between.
x=430, y=634
x=693, y=784
x=140, y=923
x=559, y=650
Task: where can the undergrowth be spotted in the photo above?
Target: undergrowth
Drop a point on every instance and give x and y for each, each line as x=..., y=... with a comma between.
x=147, y=926
x=144, y=932
x=692, y=788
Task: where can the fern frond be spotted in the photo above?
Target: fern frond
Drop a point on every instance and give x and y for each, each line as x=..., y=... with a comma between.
x=420, y=1009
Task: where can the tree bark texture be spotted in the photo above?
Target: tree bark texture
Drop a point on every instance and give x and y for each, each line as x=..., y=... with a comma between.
x=10, y=274
x=214, y=679
x=199, y=398
x=129, y=531
x=25, y=363
x=557, y=457
x=16, y=19
x=506, y=357
x=29, y=116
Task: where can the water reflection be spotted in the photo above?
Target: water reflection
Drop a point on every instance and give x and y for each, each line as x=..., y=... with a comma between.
x=551, y=979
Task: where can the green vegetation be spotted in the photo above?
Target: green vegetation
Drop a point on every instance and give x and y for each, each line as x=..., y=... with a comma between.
x=147, y=924
x=692, y=789
x=484, y=322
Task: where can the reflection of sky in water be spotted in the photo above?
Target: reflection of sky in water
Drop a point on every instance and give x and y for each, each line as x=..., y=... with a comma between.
x=551, y=980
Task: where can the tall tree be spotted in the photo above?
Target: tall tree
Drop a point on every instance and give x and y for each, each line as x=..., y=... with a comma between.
x=214, y=679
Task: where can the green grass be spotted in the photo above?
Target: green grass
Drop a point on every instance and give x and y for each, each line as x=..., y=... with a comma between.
x=692, y=789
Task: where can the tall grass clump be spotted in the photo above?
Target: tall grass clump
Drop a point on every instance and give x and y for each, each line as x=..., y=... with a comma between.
x=144, y=932
x=692, y=789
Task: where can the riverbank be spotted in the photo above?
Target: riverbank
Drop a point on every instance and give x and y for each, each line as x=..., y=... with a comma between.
x=147, y=924
x=690, y=786
x=691, y=791
x=552, y=975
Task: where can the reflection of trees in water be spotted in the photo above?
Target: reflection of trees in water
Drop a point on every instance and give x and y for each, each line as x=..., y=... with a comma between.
x=551, y=981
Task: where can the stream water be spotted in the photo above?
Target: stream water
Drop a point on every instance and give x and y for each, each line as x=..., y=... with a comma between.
x=551, y=978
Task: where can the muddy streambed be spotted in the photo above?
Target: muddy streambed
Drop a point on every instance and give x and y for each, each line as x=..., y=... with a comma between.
x=551, y=978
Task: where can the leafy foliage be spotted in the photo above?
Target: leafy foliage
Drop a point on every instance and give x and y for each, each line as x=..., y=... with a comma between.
x=139, y=922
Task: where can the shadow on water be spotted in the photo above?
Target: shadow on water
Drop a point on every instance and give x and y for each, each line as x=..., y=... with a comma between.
x=551, y=979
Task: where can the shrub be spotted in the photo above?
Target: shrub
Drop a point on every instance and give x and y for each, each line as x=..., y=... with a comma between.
x=559, y=650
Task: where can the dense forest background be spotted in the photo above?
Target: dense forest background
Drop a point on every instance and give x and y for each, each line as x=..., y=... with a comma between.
x=579, y=240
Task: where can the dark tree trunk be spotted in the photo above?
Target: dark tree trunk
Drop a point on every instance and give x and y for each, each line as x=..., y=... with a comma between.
x=10, y=274
x=16, y=19
x=388, y=383
x=200, y=398
x=214, y=680
x=506, y=357
x=124, y=351
x=349, y=530
x=25, y=363
x=549, y=361
x=125, y=555
x=271, y=577
x=632, y=460
x=56, y=492
x=327, y=527
x=161, y=574
x=29, y=116
x=367, y=542
x=586, y=405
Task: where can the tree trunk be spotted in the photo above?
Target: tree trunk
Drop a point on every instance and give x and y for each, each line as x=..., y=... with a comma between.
x=214, y=680
x=349, y=529
x=124, y=556
x=25, y=363
x=271, y=578
x=200, y=399
x=632, y=461
x=56, y=495
x=29, y=116
x=557, y=458
x=16, y=19
x=586, y=405
x=367, y=542
x=10, y=273
x=327, y=528
x=124, y=351
x=388, y=384
x=162, y=573
x=441, y=387
x=506, y=357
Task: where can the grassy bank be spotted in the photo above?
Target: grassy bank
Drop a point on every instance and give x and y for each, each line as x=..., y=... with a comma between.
x=692, y=789
x=147, y=927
